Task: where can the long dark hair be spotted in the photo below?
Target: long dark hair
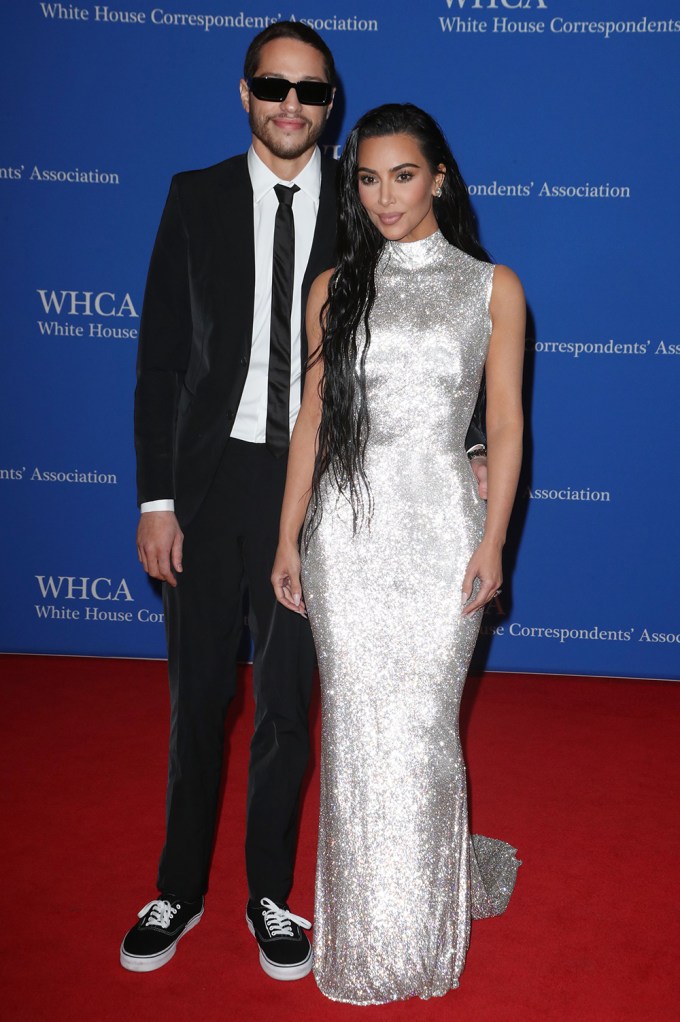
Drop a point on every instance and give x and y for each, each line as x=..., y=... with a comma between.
x=344, y=428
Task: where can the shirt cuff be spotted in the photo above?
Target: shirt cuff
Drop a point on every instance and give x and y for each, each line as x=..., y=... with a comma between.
x=157, y=505
x=470, y=450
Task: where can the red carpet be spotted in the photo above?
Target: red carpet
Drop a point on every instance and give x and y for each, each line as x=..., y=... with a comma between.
x=581, y=775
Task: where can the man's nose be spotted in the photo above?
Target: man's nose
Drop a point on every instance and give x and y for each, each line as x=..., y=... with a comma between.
x=291, y=102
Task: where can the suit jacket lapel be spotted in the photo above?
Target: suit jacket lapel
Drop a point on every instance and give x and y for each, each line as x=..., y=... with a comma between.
x=235, y=212
x=323, y=242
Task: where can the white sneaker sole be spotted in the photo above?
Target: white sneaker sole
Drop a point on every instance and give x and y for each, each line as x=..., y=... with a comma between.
x=283, y=972
x=149, y=963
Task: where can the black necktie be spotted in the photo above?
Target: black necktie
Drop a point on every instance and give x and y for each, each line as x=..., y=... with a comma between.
x=278, y=393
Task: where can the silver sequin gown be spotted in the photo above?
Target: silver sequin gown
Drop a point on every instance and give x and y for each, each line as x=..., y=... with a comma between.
x=398, y=876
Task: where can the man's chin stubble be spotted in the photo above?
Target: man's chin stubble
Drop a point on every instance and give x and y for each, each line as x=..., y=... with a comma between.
x=284, y=152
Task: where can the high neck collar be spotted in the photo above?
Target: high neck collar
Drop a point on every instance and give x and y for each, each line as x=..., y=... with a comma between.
x=414, y=254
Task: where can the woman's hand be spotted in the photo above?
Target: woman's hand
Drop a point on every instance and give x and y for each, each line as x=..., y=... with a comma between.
x=485, y=564
x=286, y=578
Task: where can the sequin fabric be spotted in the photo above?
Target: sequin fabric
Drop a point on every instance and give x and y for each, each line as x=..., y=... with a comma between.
x=398, y=876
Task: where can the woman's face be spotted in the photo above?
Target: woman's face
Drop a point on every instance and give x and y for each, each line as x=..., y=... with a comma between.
x=396, y=187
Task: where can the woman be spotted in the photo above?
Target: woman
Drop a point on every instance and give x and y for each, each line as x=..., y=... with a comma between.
x=395, y=537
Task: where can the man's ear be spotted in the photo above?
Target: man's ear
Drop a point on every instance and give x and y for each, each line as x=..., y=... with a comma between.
x=245, y=95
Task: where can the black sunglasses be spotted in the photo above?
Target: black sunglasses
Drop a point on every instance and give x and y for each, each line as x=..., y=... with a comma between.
x=275, y=90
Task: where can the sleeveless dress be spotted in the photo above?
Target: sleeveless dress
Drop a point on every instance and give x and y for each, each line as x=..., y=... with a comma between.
x=398, y=876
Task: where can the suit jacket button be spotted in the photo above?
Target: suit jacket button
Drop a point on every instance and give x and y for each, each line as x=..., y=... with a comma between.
x=244, y=361
x=230, y=414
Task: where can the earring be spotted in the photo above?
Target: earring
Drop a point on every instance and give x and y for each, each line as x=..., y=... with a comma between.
x=438, y=193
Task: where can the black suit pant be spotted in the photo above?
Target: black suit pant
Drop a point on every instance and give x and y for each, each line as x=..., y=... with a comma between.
x=231, y=542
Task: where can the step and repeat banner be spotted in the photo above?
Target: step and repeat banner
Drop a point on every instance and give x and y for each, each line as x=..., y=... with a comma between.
x=563, y=116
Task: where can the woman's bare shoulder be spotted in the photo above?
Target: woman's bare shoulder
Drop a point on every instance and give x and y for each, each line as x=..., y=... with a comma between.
x=506, y=284
x=318, y=292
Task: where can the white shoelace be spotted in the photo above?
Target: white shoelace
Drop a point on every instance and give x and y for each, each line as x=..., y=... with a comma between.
x=278, y=920
x=161, y=913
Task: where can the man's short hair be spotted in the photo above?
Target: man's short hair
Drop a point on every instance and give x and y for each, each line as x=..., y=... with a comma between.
x=288, y=30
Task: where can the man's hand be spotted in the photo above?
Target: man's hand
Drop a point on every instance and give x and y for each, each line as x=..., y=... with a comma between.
x=159, y=545
x=480, y=472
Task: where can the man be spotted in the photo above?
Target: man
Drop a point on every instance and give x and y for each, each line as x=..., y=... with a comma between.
x=220, y=371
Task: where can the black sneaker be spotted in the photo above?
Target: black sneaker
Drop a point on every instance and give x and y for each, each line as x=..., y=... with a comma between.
x=152, y=942
x=285, y=952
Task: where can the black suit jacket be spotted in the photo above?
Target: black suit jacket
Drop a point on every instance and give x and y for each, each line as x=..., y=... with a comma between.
x=197, y=323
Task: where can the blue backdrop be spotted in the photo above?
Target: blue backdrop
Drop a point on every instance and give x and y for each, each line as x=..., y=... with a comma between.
x=563, y=115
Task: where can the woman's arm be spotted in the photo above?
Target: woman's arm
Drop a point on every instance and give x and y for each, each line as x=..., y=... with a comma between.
x=504, y=422
x=286, y=571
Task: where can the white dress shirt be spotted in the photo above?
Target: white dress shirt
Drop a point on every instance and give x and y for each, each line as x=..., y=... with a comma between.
x=250, y=422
